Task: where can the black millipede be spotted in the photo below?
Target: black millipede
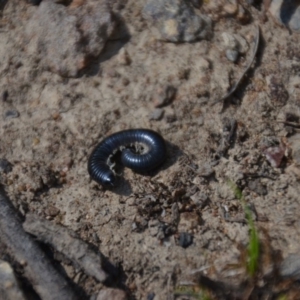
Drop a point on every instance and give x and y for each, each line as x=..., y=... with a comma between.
x=142, y=150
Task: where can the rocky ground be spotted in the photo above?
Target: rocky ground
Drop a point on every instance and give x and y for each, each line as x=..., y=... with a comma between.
x=73, y=72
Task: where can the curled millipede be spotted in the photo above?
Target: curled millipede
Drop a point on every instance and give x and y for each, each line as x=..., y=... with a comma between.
x=142, y=150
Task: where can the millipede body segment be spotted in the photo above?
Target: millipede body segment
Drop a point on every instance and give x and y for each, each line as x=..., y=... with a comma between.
x=141, y=150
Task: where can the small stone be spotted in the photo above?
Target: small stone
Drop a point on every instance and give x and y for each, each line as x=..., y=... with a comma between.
x=5, y=166
x=229, y=41
x=154, y=227
x=185, y=239
x=35, y=141
x=52, y=211
x=161, y=234
x=234, y=42
x=77, y=278
x=274, y=155
x=56, y=115
x=242, y=44
x=11, y=114
x=22, y=188
x=232, y=55
x=111, y=294
x=123, y=57
x=164, y=95
x=156, y=114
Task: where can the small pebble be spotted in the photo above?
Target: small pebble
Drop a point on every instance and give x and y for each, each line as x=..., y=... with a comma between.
x=5, y=166
x=234, y=42
x=112, y=294
x=56, y=115
x=229, y=41
x=123, y=57
x=185, y=239
x=35, y=141
x=164, y=95
x=52, y=211
x=232, y=55
x=274, y=155
x=77, y=278
x=243, y=46
x=11, y=114
x=156, y=114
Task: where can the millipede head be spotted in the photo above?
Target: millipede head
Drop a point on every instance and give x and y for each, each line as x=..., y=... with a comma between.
x=109, y=179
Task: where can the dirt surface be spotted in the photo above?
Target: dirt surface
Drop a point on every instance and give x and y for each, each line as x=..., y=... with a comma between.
x=165, y=229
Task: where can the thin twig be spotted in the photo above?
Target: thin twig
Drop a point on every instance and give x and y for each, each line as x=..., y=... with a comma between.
x=234, y=88
x=38, y=269
x=67, y=242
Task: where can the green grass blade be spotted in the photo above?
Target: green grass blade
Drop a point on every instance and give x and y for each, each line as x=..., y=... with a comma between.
x=253, y=246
